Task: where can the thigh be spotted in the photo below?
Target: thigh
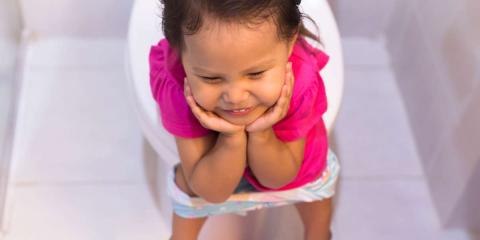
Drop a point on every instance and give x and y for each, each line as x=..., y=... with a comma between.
x=316, y=217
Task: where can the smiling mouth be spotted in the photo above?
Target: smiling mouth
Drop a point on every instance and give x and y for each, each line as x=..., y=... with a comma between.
x=239, y=112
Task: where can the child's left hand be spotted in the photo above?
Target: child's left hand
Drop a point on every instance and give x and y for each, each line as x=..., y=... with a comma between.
x=278, y=111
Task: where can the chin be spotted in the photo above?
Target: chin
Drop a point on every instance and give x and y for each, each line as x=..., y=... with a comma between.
x=241, y=120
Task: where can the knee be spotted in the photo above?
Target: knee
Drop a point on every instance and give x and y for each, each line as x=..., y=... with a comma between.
x=181, y=182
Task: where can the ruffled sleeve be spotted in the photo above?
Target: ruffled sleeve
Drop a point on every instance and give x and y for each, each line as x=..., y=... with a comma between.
x=166, y=83
x=309, y=100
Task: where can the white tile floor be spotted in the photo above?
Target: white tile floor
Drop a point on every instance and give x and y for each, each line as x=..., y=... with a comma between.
x=78, y=171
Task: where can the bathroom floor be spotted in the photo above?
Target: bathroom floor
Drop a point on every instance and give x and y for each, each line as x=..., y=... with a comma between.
x=78, y=170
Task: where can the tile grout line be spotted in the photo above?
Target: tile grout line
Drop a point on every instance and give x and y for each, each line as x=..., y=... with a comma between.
x=385, y=178
x=71, y=67
x=79, y=183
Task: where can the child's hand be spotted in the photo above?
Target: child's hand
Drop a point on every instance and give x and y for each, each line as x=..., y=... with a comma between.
x=208, y=119
x=278, y=111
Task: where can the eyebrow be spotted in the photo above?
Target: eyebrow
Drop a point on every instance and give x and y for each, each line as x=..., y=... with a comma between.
x=259, y=65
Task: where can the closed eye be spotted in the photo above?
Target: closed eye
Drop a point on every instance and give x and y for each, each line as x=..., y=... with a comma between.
x=210, y=79
x=256, y=74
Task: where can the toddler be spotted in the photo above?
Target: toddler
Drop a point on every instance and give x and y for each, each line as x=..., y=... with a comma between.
x=238, y=86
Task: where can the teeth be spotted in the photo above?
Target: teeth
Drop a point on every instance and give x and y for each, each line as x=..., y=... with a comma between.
x=240, y=110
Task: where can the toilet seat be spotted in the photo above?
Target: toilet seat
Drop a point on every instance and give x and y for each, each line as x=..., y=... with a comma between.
x=145, y=31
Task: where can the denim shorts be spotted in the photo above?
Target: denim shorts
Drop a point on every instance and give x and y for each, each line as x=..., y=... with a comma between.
x=247, y=198
x=244, y=186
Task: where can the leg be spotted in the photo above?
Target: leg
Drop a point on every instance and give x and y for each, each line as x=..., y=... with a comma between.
x=316, y=217
x=185, y=228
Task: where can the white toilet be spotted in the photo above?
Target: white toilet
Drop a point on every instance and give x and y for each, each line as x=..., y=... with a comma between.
x=277, y=223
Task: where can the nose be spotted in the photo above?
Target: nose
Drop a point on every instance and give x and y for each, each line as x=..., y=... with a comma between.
x=235, y=95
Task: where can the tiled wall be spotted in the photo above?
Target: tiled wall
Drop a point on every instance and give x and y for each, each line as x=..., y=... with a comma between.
x=435, y=53
x=77, y=18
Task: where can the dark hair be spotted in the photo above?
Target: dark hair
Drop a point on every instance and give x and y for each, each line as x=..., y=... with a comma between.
x=185, y=17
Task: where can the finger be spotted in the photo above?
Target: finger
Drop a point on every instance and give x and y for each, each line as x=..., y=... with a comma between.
x=185, y=86
x=186, y=89
x=290, y=88
x=209, y=119
x=291, y=80
x=275, y=109
x=275, y=113
x=217, y=123
x=289, y=66
x=288, y=77
x=288, y=84
x=222, y=125
x=287, y=71
x=257, y=125
x=196, y=109
x=190, y=100
x=283, y=103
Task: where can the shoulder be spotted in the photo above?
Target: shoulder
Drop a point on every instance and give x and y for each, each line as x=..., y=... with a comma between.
x=309, y=100
x=307, y=62
x=166, y=70
x=166, y=84
x=316, y=57
x=165, y=61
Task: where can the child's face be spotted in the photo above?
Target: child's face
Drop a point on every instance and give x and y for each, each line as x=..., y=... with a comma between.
x=231, y=67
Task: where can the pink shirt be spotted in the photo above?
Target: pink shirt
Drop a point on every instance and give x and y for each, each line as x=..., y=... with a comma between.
x=304, y=117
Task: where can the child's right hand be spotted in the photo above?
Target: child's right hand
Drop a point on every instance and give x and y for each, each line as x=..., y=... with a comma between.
x=209, y=119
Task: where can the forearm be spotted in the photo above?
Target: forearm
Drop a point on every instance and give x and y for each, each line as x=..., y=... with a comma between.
x=216, y=175
x=270, y=160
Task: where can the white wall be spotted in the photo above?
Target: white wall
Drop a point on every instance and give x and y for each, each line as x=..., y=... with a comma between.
x=435, y=53
x=9, y=19
x=363, y=18
x=77, y=18
x=108, y=18
x=10, y=27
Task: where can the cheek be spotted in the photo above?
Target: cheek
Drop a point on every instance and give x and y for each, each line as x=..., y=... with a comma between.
x=271, y=89
x=204, y=96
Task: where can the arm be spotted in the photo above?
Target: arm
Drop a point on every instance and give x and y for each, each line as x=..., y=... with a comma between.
x=273, y=162
x=213, y=165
